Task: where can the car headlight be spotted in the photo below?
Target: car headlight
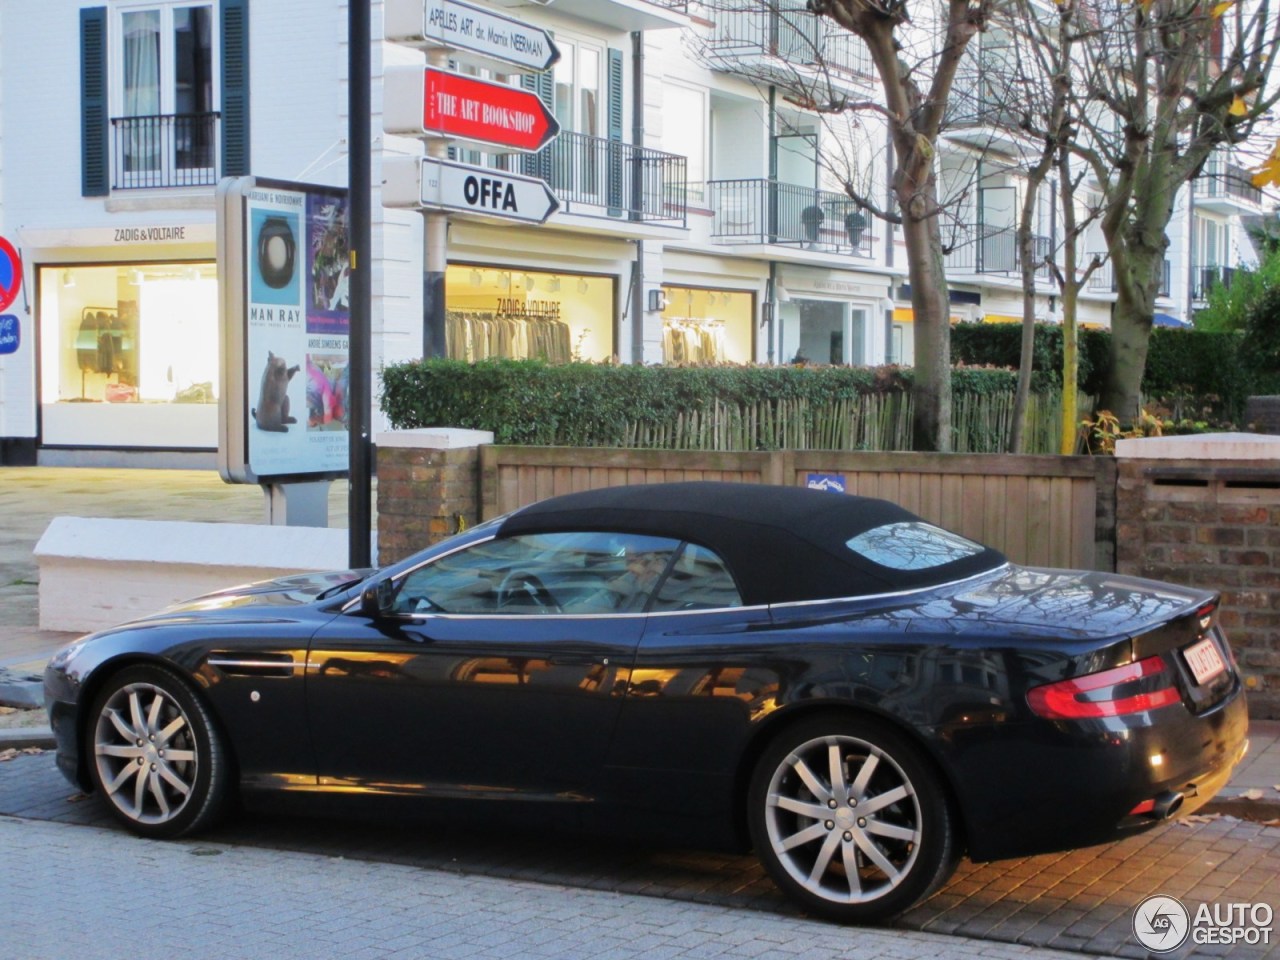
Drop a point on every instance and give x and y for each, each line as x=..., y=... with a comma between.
x=67, y=653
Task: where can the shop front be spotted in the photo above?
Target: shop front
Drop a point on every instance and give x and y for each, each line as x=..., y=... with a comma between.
x=128, y=354
x=514, y=313
x=708, y=325
x=829, y=317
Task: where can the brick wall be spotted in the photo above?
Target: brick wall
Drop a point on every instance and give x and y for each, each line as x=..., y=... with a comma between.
x=1216, y=525
x=424, y=495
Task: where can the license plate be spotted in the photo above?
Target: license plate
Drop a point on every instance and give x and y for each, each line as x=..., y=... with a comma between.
x=1204, y=660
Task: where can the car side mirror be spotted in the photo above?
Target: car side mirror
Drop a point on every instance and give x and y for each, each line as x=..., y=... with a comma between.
x=376, y=600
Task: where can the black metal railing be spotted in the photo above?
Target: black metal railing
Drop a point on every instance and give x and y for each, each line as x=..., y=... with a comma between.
x=170, y=150
x=1222, y=179
x=990, y=250
x=791, y=33
x=1103, y=280
x=766, y=211
x=1204, y=279
x=598, y=177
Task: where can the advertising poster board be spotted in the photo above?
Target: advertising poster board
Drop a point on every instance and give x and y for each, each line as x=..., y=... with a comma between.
x=286, y=327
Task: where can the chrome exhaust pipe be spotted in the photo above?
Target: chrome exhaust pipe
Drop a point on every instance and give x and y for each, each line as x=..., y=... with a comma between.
x=1166, y=805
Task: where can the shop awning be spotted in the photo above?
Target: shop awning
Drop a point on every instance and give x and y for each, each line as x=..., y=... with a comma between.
x=1169, y=320
x=1000, y=318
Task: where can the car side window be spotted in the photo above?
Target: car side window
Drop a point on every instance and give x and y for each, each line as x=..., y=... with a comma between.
x=581, y=572
x=698, y=580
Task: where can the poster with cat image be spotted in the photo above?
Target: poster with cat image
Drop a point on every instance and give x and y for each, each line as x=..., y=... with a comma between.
x=297, y=327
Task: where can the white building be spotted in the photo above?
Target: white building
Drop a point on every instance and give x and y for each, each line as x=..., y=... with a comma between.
x=697, y=221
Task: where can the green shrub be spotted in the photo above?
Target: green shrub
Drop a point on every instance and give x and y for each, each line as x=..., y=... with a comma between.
x=1191, y=371
x=709, y=408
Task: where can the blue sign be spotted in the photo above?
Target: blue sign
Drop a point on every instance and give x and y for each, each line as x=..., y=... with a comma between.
x=833, y=482
x=10, y=334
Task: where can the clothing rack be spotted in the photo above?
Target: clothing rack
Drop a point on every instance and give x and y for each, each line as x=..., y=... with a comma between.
x=481, y=334
x=692, y=340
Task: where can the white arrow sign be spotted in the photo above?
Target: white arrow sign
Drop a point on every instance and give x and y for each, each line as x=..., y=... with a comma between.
x=475, y=30
x=444, y=185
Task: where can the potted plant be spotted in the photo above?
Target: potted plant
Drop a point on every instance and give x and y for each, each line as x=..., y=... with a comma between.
x=854, y=224
x=812, y=217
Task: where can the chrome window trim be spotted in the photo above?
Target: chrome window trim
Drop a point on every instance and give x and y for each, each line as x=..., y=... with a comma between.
x=894, y=593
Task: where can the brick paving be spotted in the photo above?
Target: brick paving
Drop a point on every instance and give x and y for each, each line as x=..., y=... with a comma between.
x=1081, y=901
x=101, y=895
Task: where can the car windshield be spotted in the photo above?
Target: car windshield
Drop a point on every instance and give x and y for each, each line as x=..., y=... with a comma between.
x=912, y=545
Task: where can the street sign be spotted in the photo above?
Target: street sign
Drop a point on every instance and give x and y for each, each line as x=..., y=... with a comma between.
x=428, y=102
x=10, y=334
x=10, y=273
x=479, y=33
x=442, y=184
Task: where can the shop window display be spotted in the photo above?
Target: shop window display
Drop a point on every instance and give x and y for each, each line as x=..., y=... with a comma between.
x=525, y=314
x=128, y=337
x=708, y=326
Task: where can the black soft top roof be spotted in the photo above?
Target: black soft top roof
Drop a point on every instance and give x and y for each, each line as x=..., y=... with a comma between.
x=782, y=544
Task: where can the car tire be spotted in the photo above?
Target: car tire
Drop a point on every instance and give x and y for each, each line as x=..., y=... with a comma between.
x=850, y=819
x=155, y=754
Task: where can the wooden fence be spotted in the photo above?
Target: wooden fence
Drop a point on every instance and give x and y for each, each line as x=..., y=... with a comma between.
x=1038, y=510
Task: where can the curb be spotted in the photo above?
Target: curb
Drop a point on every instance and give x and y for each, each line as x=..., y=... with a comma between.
x=23, y=737
x=1265, y=809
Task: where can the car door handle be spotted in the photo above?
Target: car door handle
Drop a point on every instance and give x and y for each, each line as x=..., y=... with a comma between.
x=578, y=660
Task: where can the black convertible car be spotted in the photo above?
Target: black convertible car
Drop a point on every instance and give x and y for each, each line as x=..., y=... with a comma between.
x=861, y=696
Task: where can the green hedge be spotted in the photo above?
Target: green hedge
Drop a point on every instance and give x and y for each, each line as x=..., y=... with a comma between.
x=710, y=408
x=1191, y=369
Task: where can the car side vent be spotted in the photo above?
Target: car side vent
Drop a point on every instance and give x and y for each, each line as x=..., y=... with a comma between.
x=252, y=663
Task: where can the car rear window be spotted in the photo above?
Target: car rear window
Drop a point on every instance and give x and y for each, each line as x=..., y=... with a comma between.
x=912, y=545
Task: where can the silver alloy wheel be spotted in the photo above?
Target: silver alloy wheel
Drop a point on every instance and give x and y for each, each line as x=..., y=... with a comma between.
x=843, y=819
x=145, y=750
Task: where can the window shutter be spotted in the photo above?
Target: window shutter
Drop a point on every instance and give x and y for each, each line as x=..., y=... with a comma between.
x=614, y=109
x=235, y=87
x=540, y=164
x=94, y=148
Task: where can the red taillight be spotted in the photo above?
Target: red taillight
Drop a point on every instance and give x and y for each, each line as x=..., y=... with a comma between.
x=1063, y=700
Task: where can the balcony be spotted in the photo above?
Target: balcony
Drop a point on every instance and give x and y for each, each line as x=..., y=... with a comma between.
x=977, y=116
x=990, y=250
x=627, y=14
x=768, y=212
x=1226, y=187
x=786, y=42
x=172, y=150
x=1204, y=279
x=595, y=177
x=1103, y=280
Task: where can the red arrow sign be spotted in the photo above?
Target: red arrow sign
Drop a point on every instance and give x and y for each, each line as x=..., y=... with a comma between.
x=461, y=106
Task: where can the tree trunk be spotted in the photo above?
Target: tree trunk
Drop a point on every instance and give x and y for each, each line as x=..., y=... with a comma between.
x=1137, y=281
x=931, y=331
x=1070, y=361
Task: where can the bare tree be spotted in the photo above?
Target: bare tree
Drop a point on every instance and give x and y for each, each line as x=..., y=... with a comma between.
x=1166, y=82
x=1040, y=75
x=917, y=62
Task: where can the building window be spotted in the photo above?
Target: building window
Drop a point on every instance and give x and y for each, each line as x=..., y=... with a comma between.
x=163, y=101
x=708, y=326
x=129, y=355
x=684, y=133
x=528, y=314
